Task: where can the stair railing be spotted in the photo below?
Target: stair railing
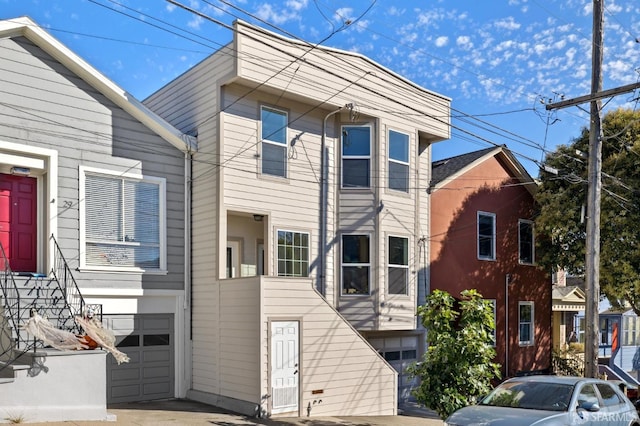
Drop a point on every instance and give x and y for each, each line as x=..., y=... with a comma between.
x=62, y=273
x=10, y=293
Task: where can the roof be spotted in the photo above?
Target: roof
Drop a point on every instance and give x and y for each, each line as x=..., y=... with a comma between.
x=26, y=27
x=561, y=291
x=442, y=169
x=445, y=170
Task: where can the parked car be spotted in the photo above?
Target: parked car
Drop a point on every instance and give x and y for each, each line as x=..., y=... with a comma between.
x=550, y=400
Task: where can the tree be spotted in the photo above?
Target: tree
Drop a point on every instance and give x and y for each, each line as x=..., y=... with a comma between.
x=561, y=223
x=457, y=367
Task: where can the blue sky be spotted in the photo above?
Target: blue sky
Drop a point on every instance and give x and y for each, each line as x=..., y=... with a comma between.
x=498, y=60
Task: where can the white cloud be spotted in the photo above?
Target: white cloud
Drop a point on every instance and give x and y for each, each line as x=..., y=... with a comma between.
x=508, y=24
x=442, y=41
x=170, y=7
x=195, y=22
x=464, y=42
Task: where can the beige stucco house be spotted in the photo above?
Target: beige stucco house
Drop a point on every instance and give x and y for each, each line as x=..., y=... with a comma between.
x=309, y=221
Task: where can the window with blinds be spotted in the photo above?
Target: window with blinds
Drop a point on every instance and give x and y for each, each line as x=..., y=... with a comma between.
x=123, y=222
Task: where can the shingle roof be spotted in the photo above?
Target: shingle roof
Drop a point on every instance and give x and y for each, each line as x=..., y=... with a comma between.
x=442, y=169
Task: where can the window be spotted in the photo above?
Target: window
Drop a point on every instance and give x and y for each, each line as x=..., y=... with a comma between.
x=356, y=156
x=525, y=239
x=398, y=265
x=525, y=321
x=486, y=236
x=355, y=264
x=293, y=254
x=609, y=395
x=492, y=302
x=274, y=142
x=398, y=161
x=587, y=397
x=123, y=221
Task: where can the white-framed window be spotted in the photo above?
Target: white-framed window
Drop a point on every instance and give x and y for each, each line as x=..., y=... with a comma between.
x=122, y=221
x=493, y=330
x=525, y=323
x=293, y=254
x=274, y=141
x=525, y=242
x=486, y=236
x=356, y=264
x=398, y=161
x=398, y=273
x=356, y=156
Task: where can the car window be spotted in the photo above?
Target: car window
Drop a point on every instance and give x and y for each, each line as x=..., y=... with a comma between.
x=608, y=394
x=587, y=396
x=531, y=395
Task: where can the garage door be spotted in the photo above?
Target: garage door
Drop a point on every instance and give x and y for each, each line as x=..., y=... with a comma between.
x=400, y=352
x=148, y=340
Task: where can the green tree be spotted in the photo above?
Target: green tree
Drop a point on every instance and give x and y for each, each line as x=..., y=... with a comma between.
x=562, y=197
x=457, y=367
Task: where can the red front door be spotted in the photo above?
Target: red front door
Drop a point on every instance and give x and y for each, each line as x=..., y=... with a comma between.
x=18, y=221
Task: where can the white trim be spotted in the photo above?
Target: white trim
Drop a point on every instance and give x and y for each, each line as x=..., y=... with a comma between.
x=47, y=210
x=398, y=266
x=342, y=264
x=162, y=207
x=391, y=160
x=277, y=251
x=356, y=157
x=129, y=292
x=275, y=143
x=531, y=324
x=25, y=27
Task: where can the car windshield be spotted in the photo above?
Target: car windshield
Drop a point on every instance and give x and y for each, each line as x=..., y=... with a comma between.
x=531, y=395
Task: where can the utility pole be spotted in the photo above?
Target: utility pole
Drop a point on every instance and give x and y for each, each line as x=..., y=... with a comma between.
x=592, y=260
x=592, y=249
x=592, y=252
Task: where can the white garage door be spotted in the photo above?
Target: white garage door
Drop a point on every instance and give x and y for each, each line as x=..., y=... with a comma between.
x=148, y=341
x=400, y=352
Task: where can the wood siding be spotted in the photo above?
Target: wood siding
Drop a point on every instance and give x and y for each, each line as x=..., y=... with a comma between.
x=45, y=105
x=491, y=186
x=334, y=357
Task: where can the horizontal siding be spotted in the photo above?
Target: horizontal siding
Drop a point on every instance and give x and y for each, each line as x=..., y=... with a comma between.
x=205, y=337
x=239, y=345
x=334, y=357
x=331, y=75
x=45, y=105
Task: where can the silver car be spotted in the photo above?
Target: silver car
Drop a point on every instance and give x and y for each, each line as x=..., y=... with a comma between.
x=550, y=400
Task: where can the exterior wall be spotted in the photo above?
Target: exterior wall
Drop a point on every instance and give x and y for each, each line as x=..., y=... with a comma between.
x=191, y=103
x=51, y=108
x=54, y=119
x=220, y=100
x=455, y=266
x=334, y=358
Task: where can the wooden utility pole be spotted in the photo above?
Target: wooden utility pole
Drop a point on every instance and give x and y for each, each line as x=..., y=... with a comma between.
x=592, y=251
x=592, y=259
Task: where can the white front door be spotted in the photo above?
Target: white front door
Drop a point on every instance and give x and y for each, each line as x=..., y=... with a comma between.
x=284, y=366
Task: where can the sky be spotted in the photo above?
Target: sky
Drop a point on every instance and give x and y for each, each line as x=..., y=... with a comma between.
x=500, y=61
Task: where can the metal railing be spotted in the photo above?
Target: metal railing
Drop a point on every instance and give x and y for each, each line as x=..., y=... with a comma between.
x=67, y=283
x=10, y=293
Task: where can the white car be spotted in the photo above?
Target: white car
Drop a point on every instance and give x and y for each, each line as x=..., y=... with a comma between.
x=550, y=400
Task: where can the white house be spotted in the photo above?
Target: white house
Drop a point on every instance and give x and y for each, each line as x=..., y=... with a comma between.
x=309, y=222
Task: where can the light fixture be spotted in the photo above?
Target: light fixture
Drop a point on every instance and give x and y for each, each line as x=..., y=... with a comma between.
x=258, y=217
x=20, y=171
